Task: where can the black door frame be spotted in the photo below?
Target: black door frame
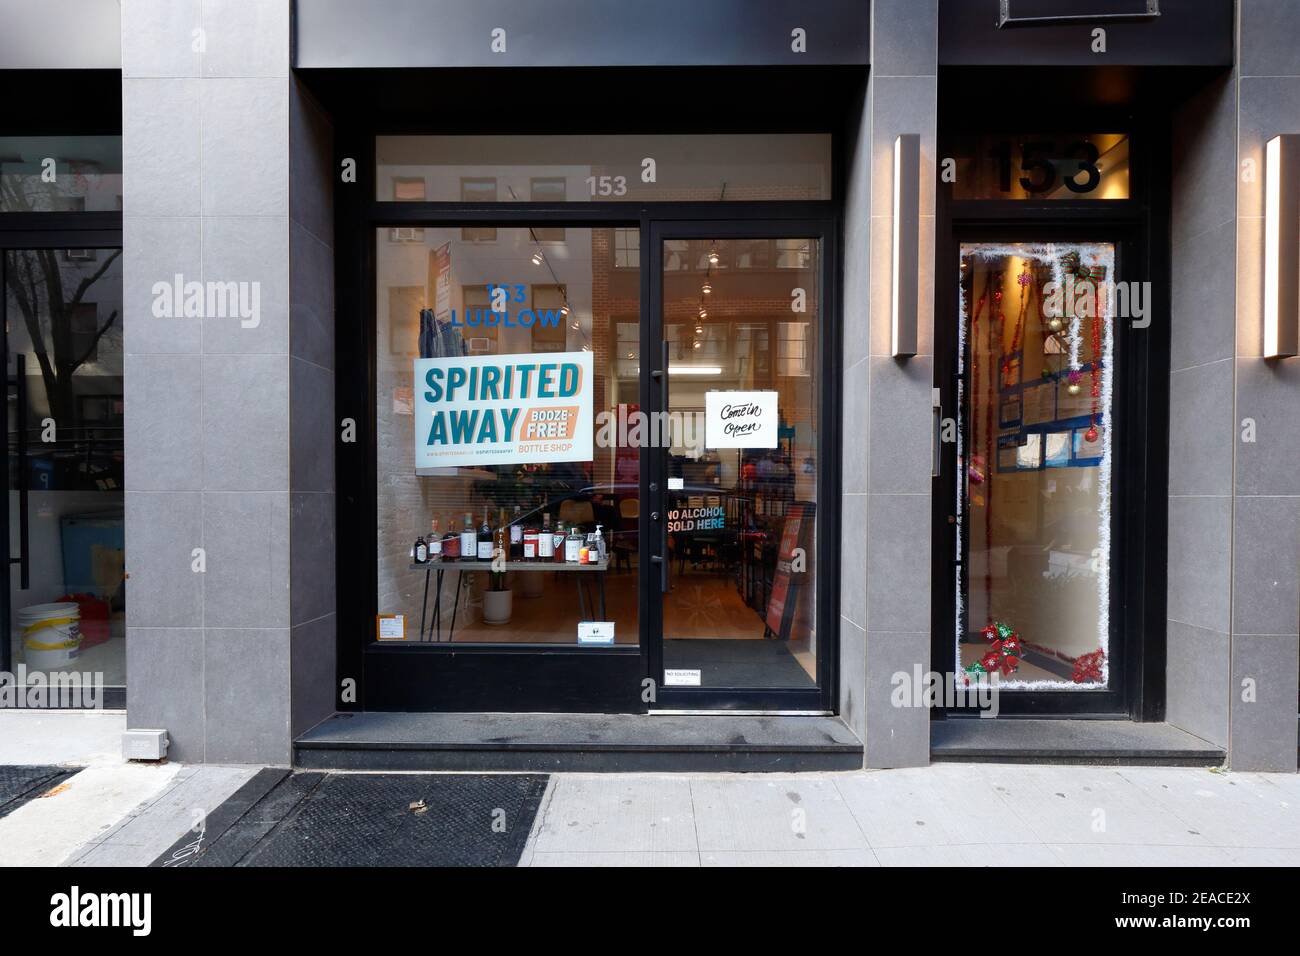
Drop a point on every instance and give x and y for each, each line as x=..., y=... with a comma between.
x=654, y=478
x=1139, y=471
x=540, y=678
x=1140, y=227
x=42, y=230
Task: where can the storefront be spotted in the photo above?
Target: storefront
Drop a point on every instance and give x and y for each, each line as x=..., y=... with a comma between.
x=585, y=281
x=809, y=366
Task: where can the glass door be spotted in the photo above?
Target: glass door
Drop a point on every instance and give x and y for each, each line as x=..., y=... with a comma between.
x=735, y=483
x=1036, y=477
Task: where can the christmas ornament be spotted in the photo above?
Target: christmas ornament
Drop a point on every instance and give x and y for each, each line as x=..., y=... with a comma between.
x=1004, y=652
x=1087, y=667
x=1055, y=324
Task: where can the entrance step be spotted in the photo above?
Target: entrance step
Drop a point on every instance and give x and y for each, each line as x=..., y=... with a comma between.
x=1119, y=742
x=578, y=742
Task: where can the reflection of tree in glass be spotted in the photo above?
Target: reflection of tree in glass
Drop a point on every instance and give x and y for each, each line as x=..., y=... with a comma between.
x=48, y=308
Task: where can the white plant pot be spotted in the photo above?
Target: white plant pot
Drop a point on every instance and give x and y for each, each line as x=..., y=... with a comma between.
x=497, y=606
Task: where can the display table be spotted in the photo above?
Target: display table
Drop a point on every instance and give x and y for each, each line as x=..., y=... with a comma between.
x=485, y=567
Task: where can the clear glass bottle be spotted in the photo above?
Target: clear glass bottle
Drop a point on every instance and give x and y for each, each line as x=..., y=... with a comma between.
x=573, y=546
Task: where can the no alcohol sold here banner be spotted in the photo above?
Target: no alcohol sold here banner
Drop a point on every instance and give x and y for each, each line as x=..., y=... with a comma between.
x=503, y=409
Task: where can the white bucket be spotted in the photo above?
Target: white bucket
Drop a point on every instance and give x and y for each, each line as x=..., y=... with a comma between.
x=51, y=634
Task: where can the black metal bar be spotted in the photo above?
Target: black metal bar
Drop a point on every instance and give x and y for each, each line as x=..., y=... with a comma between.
x=664, y=584
x=6, y=629
x=455, y=608
x=424, y=603
x=24, y=564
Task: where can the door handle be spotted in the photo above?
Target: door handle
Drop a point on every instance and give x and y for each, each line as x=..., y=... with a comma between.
x=936, y=437
x=661, y=374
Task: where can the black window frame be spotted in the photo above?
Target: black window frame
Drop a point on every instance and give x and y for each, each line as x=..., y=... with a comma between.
x=396, y=676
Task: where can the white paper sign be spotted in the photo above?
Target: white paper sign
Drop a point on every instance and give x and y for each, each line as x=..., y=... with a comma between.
x=740, y=420
x=595, y=632
x=390, y=627
x=681, y=677
x=503, y=409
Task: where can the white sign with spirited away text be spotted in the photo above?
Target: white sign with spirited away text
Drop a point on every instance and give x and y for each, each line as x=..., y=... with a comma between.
x=740, y=420
x=484, y=410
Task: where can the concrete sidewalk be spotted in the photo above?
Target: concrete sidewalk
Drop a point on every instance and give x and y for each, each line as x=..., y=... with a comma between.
x=943, y=815
x=108, y=813
x=119, y=814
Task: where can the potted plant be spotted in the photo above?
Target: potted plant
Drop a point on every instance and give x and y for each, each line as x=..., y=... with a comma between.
x=497, y=599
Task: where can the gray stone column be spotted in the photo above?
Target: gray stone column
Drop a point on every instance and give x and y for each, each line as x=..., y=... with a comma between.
x=1234, y=489
x=1265, y=596
x=885, y=589
x=211, y=495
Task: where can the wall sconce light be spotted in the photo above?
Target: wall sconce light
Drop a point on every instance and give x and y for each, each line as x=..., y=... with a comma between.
x=1282, y=246
x=904, y=278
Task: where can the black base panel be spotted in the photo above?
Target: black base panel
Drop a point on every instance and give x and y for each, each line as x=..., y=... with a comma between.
x=588, y=680
x=580, y=761
x=619, y=743
x=350, y=820
x=18, y=785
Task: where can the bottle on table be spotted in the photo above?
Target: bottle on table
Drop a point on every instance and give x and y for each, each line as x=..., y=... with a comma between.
x=517, y=535
x=546, y=540
x=435, y=541
x=558, y=538
x=421, y=551
x=573, y=546
x=450, y=540
x=468, y=540
x=485, y=538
